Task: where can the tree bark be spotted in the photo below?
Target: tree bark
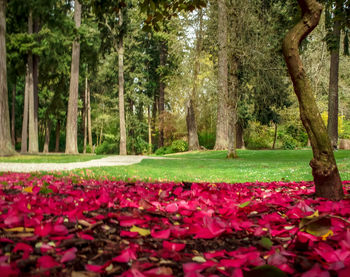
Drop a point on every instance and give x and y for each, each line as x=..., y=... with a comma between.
x=232, y=109
x=221, y=142
x=72, y=115
x=333, y=97
x=192, y=133
x=85, y=115
x=13, y=114
x=47, y=136
x=57, y=135
x=36, y=28
x=324, y=168
x=122, y=144
x=6, y=147
x=24, y=138
x=161, y=104
x=239, y=136
x=89, y=115
x=33, y=145
x=149, y=130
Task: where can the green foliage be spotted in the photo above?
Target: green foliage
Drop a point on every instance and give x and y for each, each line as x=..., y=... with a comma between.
x=107, y=148
x=164, y=150
x=258, y=136
x=207, y=140
x=45, y=190
x=179, y=146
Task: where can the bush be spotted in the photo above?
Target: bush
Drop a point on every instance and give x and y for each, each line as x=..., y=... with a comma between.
x=179, y=146
x=288, y=143
x=258, y=136
x=107, y=148
x=164, y=150
x=207, y=140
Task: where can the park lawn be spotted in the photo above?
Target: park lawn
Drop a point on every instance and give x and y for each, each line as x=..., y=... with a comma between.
x=212, y=166
x=50, y=158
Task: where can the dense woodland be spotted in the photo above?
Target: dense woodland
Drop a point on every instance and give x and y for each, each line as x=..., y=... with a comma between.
x=133, y=77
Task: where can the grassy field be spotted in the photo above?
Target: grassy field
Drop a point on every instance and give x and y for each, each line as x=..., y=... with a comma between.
x=212, y=166
x=49, y=158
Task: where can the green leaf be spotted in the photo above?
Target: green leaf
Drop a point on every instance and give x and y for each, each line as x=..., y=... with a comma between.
x=319, y=226
x=245, y=204
x=142, y=232
x=266, y=243
x=265, y=271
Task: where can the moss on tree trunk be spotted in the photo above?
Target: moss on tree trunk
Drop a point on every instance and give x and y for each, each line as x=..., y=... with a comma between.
x=324, y=168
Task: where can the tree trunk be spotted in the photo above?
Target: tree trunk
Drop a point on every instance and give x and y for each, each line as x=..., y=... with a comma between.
x=33, y=145
x=275, y=137
x=122, y=145
x=192, y=133
x=36, y=28
x=221, y=142
x=72, y=115
x=85, y=115
x=239, y=136
x=89, y=116
x=333, y=106
x=149, y=130
x=6, y=147
x=24, y=140
x=161, y=104
x=324, y=168
x=57, y=135
x=47, y=136
x=13, y=114
x=232, y=109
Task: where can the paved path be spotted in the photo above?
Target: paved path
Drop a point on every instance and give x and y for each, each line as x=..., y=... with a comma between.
x=109, y=161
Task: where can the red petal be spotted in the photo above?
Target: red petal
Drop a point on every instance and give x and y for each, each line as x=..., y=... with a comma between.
x=69, y=255
x=173, y=246
x=164, y=234
x=46, y=262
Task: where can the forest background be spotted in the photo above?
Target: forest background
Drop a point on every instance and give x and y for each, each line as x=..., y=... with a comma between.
x=173, y=87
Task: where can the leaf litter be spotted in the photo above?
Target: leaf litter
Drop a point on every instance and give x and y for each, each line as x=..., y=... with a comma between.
x=69, y=226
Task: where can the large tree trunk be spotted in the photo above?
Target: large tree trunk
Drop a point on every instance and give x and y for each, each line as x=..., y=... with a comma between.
x=149, y=130
x=122, y=144
x=57, y=135
x=13, y=114
x=193, y=143
x=85, y=115
x=221, y=142
x=72, y=116
x=47, y=136
x=6, y=147
x=33, y=145
x=324, y=168
x=333, y=86
x=161, y=104
x=24, y=138
x=89, y=116
x=239, y=136
x=232, y=109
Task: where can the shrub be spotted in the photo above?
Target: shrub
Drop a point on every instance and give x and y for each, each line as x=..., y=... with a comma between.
x=207, y=140
x=179, y=146
x=258, y=136
x=107, y=148
x=288, y=143
x=164, y=150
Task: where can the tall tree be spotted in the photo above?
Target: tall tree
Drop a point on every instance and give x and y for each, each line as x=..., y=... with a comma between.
x=161, y=102
x=324, y=169
x=33, y=146
x=333, y=96
x=193, y=143
x=13, y=114
x=222, y=121
x=6, y=147
x=122, y=144
x=72, y=115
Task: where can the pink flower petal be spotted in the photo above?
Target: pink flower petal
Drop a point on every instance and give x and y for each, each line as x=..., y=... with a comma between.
x=69, y=255
x=164, y=234
x=173, y=246
x=46, y=262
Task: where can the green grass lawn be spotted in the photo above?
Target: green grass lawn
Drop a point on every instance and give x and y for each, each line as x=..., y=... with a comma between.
x=212, y=166
x=49, y=158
